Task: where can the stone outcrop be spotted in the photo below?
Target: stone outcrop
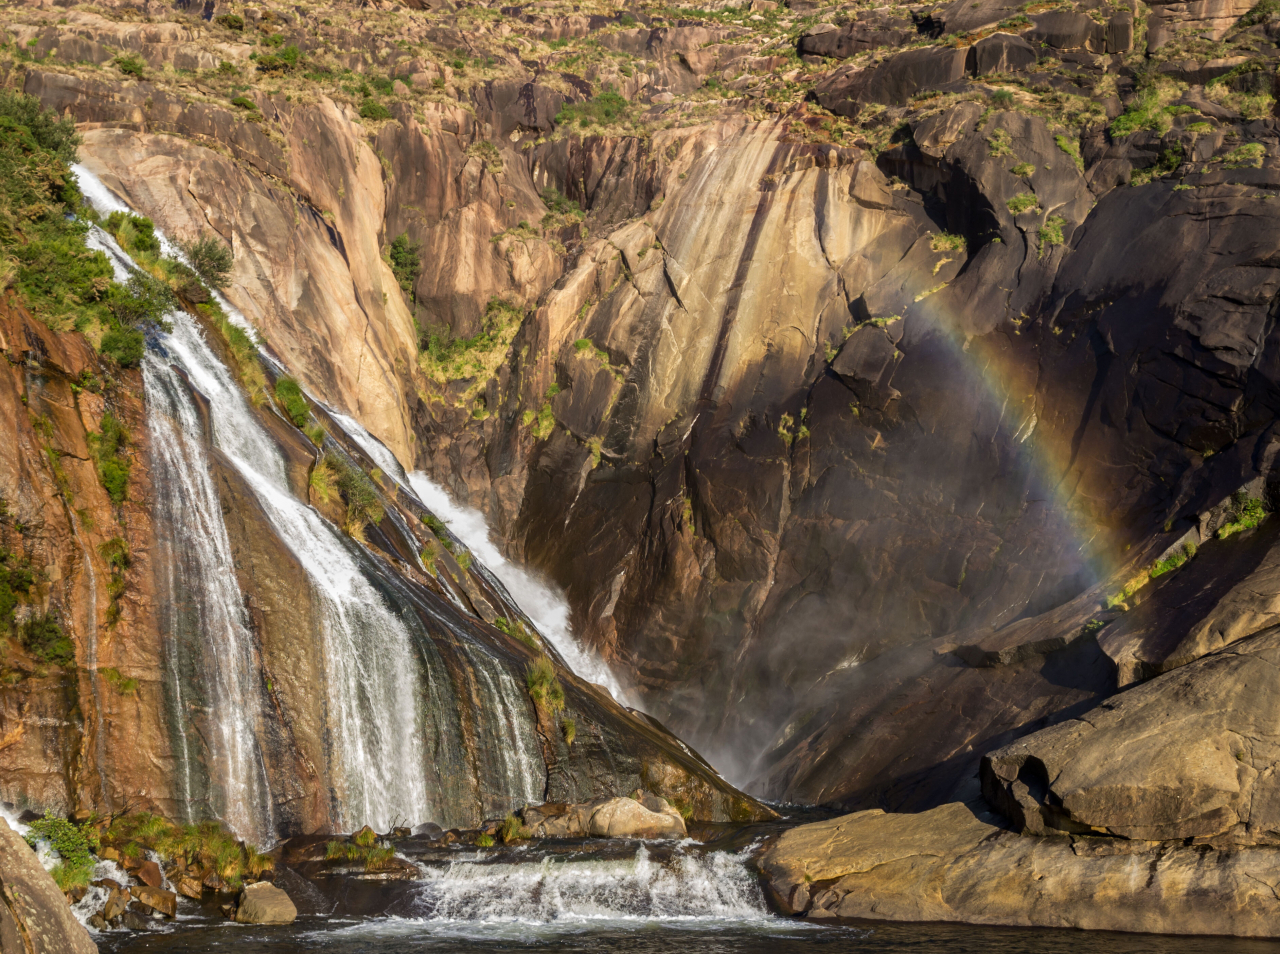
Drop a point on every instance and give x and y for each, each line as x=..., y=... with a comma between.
x=641, y=816
x=264, y=903
x=956, y=863
x=34, y=915
x=1189, y=756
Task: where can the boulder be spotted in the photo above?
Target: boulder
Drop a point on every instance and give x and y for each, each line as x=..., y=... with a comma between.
x=34, y=916
x=1068, y=30
x=628, y=818
x=264, y=903
x=957, y=863
x=117, y=901
x=1190, y=755
x=149, y=874
x=826, y=39
x=190, y=887
x=1001, y=53
x=158, y=900
x=893, y=82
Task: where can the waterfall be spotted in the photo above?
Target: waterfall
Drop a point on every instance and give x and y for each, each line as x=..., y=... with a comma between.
x=543, y=604
x=685, y=886
x=372, y=679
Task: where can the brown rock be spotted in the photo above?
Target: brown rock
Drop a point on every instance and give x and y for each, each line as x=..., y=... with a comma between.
x=954, y=864
x=149, y=874
x=34, y=916
x=264, y=903
x=628, y=818
x=158, y=900
x=117, y=901
x=190, y=888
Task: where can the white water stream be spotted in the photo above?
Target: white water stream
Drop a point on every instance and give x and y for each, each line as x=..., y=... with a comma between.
x=540, y=601
x=687, y=886
x=372, y=682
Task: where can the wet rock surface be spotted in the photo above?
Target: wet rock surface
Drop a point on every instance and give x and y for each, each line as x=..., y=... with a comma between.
x=34, y=917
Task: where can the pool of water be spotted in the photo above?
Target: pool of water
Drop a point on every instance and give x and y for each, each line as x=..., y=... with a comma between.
x=774, y=936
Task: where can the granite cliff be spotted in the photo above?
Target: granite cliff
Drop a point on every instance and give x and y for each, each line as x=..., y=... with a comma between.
x=891, y=390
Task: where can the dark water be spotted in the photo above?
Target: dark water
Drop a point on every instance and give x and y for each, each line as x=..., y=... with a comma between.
x=775, y=936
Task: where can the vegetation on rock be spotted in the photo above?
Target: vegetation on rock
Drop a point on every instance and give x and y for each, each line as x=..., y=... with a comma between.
x=289, y=394
x=544, y=687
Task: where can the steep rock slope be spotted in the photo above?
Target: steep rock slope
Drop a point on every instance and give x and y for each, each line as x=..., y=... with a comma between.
x=850, y=392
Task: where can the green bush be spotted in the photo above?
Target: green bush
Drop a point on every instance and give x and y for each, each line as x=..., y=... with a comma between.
x=1248, y=156
x=1249, y=513
x=602, y=110
x=1146, y=111
x=1174, y=560
x=50, y=133
x=73, y=845
x=15, y=577
x=283, y=62
x=947, y=242
x=1023, y=202
x=232, y=21
x=130, y=66
x=1002, y=99
x=544, y=687
x=1072, y=149
x=513, y=830
x=289, y=394
x=372, y=109
x=142, y=300
x=210, y=258
x=405, y=264
x=1051, y=232
x=244, y=102
x=363, y=504
x=43, y=638
x=108, y=450
x=124, y=346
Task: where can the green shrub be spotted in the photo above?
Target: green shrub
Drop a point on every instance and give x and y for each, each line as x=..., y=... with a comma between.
x=1023, y=169
x=1002, y=99
x=244, y=102
x=484, y=841
x=1001, y=144
x=130, y=66
x=43, y=638
x=108, y=450
x=570, y=730
x=73, y=845
x=602, y=110
x=363, y=504
x=1146, y=111
x=49, y=132
x=289, y=394
x=544, y=687
x=405, y=264
x=232, y=21
x=1249, y=513
x=1174, y=560
x=210, y=258
x=1247, y=156
x=947, y=242
x=513, y=830
x=123, y=685
x=1071, y=148
x=1023, y=202
x=283, y=62
x=124, y=346
x=15, y=577
x=374, y=110
x=1051, y=233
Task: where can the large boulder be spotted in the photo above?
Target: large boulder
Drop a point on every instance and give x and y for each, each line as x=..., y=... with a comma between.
x=827, y=39
x=893, y=82
x=34, y=915
x=956, y=863
x=1068, y=30
x=1002, y=53
x=629, y=818
x=1190, y=755
x=264, y=903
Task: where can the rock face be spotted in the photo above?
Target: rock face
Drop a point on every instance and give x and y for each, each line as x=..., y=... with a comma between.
x=641, y=816
x=852, y=424
x=955, y=863
x=34, y=915
x=1189, y=756
x=264, y=903
x=628, y=818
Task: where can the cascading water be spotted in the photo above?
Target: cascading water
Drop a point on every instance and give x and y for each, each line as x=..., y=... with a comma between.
x=371, y=680
x=541, y=602
x=685, y=886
